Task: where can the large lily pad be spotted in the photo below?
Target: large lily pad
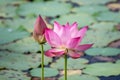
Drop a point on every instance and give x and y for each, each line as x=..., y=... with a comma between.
x=100, y=38
x=91, y=2
x=18, y=23
x=44, y=8
x=118, y=61
x=5, y=2
x=8, y=11
x=90, y=9
x=83, y=19
x=21, y=61
x=25, y=45
x=106, y=26
x=106, y=16
x=8, y=35
x=72, y=63
x=49, y=72
x=80, y=77
x=103, y=69
x=13, y=75
x=103, y=51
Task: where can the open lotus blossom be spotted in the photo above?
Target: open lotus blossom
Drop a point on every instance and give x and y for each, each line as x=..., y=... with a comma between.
x=65, y=39
x=39, y=30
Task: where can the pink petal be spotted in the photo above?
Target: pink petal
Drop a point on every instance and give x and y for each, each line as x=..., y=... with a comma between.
x=82, y=32
x=74, y=29
x=54, y=52
x=40, y=26
x=57, y=27
x=73, y=42
x=75, y=55
x=64, y=34
x=84, y=47
x=52, y=38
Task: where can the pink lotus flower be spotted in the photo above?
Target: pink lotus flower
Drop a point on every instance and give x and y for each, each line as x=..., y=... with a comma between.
x=39, y=30
x=65, y=40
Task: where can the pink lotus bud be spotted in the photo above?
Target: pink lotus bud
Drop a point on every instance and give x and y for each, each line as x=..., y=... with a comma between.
x=39, y=30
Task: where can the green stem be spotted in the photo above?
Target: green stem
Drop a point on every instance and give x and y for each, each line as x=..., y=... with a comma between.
x=42, y=65
x=65, y=56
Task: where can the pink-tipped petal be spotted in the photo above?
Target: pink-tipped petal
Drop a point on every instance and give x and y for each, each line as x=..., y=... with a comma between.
x=84, y=47
x=40, y=26
x=64, y=34
x=75, y=55
x=73, y=42
x=52, y=38
x=82, y=32
x=54, y=52
x=57, y=27
x=74, y=29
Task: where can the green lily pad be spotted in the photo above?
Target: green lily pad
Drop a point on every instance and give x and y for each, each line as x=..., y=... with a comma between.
x=80, y=77
x=49, y=72
x=103, y=51
x=13, y=75
x=90, y=9
x=5, y=2
x=17, y=23
x=8, y=35
x=102, y=69
x=106, y=26
x=83, y=19
x=106, y=16
x=100, y=38
x=91, y=2
x=25, y=45
x=118, y=61
x=19, y=61
x=8, y=11
x=44, y=8
x=72, y=63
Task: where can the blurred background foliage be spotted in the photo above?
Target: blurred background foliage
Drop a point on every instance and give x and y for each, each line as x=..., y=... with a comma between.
x=20, y=56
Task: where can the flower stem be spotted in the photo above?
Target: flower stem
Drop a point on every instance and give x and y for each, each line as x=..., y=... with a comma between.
x=65, y=56
x=42, y=65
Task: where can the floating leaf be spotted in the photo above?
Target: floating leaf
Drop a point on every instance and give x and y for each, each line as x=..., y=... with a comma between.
x=90, y=9
x=91, y=2
x=44, y=8
x=106, y=26
x=17, y=23
x=25, y=45
x=80, y=77
x=83, y=19
x=6, y=2
x=102, y=69
x=21, y=61
x=48, y=72
x=100, y=38
x=103, y=51
x=8, y=11
x=106, y=16
x=72, y=63
x=9, y=35
x=118, y=61
x=13, y=75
